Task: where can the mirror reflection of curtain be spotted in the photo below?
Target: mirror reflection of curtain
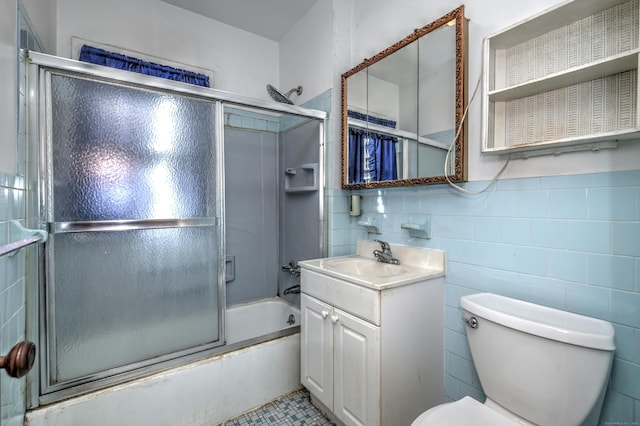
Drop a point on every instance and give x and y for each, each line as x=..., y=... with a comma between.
x=372, y=156
x=382, y=157
x=357, y=141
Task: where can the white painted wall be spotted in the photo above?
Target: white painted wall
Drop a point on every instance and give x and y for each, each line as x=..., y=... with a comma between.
x=242, y=62
x=39, y=13
x=342, y=11
x=376, y=24
x=42, y=14
x=306, y=54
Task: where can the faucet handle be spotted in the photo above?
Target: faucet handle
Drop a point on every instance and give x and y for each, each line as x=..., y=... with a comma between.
x=385, y=245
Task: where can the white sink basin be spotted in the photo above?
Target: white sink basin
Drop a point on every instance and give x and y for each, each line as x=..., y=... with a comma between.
x=416, y=264
x=364, y=267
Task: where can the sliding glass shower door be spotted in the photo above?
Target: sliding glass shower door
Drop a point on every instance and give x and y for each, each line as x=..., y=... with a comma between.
x=132, y=198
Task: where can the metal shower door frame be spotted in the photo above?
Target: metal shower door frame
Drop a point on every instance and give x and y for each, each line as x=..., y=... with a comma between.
x=39, y=66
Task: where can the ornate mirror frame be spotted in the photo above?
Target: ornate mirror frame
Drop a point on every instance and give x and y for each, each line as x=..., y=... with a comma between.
x=460, y=152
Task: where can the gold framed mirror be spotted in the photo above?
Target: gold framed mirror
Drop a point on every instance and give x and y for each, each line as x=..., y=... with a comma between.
x=403, y=110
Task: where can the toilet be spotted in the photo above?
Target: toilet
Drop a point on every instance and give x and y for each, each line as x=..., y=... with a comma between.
x=537, y=365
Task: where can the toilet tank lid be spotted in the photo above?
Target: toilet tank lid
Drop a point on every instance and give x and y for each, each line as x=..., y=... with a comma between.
x=541, y=321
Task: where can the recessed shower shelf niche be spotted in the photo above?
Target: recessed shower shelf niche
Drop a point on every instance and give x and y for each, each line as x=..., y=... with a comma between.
x=564, y=78
x=301, y=179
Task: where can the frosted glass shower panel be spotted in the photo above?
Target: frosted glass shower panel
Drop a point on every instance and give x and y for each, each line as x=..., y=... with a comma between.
x=134, y=207
x=129, y=154
x=127, y=297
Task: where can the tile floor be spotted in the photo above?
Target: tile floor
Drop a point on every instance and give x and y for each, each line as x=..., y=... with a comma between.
x=293, y=409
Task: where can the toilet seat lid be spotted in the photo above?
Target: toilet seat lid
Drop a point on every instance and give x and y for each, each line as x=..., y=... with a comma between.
x=465, y=412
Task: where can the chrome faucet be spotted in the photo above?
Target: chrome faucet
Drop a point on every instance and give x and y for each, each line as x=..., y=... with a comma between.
x=385, y=255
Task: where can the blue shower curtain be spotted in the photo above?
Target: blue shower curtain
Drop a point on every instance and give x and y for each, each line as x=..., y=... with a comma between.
x=98, y=56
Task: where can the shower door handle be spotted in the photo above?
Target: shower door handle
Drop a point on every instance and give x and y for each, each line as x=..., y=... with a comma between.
x=19, y=360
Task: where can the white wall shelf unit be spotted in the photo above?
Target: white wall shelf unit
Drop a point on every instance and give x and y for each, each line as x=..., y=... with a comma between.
x=565, y=77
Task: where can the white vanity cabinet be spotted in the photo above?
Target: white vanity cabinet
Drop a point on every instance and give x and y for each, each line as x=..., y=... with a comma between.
x=372, y=353
x=341, y=362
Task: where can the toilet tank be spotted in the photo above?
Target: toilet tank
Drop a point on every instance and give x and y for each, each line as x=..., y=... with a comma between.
x=545, y=365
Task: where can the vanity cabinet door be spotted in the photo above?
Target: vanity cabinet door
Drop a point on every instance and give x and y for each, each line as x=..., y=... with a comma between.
x=317, y=349
x=356, y=370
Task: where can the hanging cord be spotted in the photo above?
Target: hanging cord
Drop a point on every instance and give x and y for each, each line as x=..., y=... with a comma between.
x=455, y=138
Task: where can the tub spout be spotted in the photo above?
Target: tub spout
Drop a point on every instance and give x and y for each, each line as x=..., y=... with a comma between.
x=293, y=289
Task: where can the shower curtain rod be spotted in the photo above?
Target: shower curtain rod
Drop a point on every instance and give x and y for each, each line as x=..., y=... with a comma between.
x=25, y=237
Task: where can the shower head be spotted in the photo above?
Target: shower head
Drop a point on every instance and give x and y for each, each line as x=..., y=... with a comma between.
x=277, y=96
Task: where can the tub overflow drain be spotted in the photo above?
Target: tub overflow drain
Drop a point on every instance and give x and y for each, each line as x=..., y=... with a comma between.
x=291, y=320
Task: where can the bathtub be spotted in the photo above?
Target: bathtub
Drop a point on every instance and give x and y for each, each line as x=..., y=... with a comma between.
x=260, y=320
x=260, y=362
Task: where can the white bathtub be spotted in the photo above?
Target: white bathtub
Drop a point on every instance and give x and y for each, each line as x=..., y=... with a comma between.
x=205, y=392
x=256, y=319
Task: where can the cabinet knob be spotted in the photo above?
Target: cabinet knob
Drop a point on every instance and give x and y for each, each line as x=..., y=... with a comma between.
x=334, y=319
x=324, y=314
